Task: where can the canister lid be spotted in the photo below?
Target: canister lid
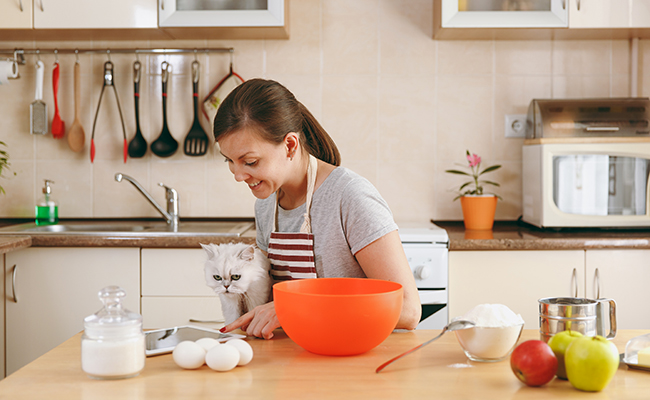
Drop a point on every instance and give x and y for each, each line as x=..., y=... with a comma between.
x=113, y=319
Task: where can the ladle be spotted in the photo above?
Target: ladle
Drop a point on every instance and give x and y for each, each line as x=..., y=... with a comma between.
x=76, y=135
x=165, y=145
x=452, y=326
x=137, y=145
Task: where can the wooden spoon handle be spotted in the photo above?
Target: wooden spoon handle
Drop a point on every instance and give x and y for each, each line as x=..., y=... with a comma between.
x=77, y=84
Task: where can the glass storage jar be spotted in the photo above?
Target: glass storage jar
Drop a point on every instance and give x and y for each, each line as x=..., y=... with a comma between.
x=113, y=343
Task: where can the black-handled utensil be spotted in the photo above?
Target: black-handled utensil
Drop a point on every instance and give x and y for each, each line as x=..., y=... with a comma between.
x=196, y=141
x=165, y=145
x=137, y=145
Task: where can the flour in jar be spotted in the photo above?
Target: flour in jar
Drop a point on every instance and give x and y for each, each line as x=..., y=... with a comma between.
x=496, y=331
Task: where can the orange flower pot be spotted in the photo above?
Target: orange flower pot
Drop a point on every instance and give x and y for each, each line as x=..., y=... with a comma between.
x=478, y=211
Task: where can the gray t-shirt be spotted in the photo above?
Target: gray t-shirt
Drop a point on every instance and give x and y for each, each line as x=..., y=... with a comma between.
x=347, y=214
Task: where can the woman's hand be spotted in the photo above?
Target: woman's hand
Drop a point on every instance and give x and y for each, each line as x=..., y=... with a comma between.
x=261, y=321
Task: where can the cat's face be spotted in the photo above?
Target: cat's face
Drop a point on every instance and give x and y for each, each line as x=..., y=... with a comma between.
x=230, y=268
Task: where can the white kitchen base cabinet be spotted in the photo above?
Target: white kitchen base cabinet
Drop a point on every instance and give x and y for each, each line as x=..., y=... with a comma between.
x=514, y=278
x=622, y=275
x=55, y=289
x=174, y=291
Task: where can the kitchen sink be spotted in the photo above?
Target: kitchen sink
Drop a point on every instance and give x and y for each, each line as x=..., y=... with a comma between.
x=132, y=228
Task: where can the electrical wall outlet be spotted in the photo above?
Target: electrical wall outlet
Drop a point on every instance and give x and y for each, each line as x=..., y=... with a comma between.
x=516, y=125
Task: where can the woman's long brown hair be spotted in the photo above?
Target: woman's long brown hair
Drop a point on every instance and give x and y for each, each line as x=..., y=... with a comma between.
x=273, y=111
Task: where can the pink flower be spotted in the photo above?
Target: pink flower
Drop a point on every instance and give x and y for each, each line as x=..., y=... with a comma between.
x=473, y=160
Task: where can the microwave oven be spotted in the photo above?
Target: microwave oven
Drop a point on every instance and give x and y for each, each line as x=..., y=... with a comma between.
x=596, y=184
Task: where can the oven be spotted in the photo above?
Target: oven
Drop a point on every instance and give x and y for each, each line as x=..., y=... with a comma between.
x=427, y=251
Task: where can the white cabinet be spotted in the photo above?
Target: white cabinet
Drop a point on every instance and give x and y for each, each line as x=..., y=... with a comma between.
x=49, y=291
x=500, y=14
x=622, y=275
x=514, y=278
x=599, y=13
x=192, y=13
x=75, y=14
x=16, y=14
x=174, y=291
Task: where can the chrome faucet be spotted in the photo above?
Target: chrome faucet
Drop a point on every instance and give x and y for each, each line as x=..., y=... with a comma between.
x=171, y=195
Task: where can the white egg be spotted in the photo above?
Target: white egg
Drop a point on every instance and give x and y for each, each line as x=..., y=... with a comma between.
x=222, y=358
x=245, y=350
x=207, y=343
x=189, y=355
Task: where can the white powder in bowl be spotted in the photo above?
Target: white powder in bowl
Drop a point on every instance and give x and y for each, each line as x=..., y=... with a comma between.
x=493, y=316
x=495, y=334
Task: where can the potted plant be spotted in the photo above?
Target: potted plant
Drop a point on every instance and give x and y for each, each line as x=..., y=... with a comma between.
x=4, y=163
x=478, y=206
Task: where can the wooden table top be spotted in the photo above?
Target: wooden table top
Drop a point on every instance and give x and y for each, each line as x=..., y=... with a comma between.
x=283, y=370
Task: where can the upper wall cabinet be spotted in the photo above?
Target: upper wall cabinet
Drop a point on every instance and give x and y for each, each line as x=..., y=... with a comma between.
x=250, y=19
x=16, y=14
x=541, y=19
x=84, y=14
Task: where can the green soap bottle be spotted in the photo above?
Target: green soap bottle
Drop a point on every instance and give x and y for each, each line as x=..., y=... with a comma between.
x=47, y=211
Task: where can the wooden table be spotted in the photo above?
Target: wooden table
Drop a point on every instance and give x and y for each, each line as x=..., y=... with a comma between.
x=282, y=370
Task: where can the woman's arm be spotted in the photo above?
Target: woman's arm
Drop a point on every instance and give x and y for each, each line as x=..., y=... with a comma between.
x=385, y=259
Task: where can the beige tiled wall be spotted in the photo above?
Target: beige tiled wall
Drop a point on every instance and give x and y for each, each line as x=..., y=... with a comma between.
x=401, y=106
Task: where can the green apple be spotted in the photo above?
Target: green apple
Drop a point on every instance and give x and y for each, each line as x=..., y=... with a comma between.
x=591, y=363
x=559, y=343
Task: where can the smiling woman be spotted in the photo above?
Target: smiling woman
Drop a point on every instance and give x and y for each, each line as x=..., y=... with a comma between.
x=314, y=218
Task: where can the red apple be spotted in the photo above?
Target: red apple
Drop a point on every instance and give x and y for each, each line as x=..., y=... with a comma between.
x=533, y=362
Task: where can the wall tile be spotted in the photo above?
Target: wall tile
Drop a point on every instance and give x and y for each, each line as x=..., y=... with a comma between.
x=532, y=57
x=465, y=57
x=581, y=57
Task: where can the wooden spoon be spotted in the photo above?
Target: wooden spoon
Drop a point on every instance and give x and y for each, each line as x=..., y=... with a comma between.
x=76, y=135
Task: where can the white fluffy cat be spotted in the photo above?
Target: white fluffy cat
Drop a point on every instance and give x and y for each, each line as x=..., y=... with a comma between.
x=239, y=274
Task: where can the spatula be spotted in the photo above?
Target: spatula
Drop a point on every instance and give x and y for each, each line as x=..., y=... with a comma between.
x=76, y=134
x=38, y=109
x=196, y=141
x=58, y=126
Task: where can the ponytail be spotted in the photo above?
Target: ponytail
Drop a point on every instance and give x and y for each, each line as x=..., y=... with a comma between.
x=317, y=142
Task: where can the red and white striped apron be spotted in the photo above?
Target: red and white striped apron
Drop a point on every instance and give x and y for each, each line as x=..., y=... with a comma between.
x=292, y=253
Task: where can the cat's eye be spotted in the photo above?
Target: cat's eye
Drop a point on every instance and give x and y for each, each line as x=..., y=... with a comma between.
x=216, y=277
x=235, y=277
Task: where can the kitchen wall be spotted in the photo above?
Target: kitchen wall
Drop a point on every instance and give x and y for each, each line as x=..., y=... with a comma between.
x=401, y=106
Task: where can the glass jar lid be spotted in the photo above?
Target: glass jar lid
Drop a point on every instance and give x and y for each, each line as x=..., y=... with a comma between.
x=113, y=318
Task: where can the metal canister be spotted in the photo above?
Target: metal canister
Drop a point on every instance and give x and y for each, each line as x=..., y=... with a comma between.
x=557, y=314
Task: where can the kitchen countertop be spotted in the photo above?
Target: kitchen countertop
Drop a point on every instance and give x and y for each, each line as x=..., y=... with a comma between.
x=282, y=370
x=10, y=243
x=513, y=235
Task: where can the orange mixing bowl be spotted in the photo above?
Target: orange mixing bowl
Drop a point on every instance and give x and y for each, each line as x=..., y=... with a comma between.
x=338, y=316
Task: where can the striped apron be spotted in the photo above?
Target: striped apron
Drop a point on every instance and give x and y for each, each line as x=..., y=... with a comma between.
x=292, y=253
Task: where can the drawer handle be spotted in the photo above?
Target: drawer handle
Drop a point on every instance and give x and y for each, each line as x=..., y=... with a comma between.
x=203, y=321
x=13, y=283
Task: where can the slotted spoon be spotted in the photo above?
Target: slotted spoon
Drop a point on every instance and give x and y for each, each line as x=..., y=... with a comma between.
x=196, y=141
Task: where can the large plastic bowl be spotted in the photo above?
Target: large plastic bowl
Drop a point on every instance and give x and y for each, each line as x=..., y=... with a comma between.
x=338, y=316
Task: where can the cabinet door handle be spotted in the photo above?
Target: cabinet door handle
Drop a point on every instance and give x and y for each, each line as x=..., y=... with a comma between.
x=42, y=10
x=574, y=278
x=162, y=4
x=578, y=4
x=13, y=283
x=597, y=283
x=564, y=4
x=20, y=3
x=203, y=321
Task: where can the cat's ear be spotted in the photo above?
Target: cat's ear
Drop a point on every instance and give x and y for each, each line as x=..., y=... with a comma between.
x=210, y=249
x=248, y=253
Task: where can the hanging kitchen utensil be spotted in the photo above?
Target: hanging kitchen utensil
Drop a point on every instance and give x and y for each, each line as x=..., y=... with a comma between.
x=38, y=109
x=137, y=145
x=58, y=126
x=108, y=82
x=165, y=145
x=76, y=134
x=196, y=141
x=226, y=85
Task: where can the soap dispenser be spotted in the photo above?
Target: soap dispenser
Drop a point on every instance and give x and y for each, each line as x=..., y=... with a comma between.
x=47, y=211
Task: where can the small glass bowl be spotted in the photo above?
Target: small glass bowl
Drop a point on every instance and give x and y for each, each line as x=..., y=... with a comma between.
x=489, y=344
